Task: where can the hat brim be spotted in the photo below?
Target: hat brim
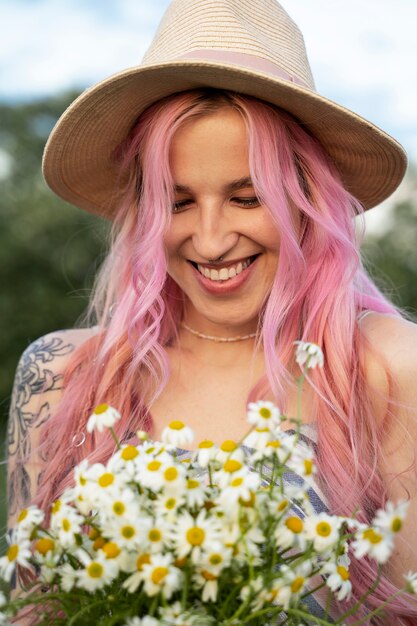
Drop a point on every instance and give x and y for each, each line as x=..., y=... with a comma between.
x=78, y=164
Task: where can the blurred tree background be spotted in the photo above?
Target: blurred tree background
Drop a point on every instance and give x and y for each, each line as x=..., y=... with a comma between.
x=49, y=251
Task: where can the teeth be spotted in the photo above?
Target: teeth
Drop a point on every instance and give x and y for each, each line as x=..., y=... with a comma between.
x=225, y=272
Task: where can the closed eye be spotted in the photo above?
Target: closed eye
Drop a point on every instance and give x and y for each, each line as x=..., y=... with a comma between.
x=248, y=203
x=180, y=205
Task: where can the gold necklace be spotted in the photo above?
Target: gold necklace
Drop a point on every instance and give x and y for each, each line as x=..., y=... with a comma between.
x=217, y=339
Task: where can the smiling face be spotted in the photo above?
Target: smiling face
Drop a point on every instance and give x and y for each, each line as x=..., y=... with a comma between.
x=217, y=214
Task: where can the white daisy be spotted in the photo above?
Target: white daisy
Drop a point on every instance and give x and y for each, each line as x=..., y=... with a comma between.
x=302, y=461
x=142, y=621
x=27, y=520
x=97, y=572
x=192, y=536
x=308, y=355
x=290, y=533
x=411, y=582
x=229, y=450
x=373, y=542
x=18, y=553
x=322, y=530
x=258, y=438
x=173, y=478
x=195, y=492
x=231, y=469
x=239, y=491
x=167, y=505
x=66, y=522
x=177, y=434
x=205, y=453
x=126, y=533
x=338, y=580
x=264, y=414
x=281, y=447
x=391, y=518
x=120, y=504
x=103, y=416
x=160, y=576
x=69, y=576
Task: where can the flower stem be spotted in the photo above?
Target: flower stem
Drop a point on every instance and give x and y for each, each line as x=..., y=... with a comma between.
x=115, y=437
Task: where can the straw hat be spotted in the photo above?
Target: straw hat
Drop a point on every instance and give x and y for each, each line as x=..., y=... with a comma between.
x=248, y=46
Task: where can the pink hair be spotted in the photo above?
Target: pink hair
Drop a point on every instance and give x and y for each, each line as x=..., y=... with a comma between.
x=320, y=288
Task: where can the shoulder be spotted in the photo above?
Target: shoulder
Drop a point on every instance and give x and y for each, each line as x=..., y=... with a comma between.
x=392, y=341
x=37, y=390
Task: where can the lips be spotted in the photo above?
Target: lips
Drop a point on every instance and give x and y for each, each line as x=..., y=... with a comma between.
x=227, y=271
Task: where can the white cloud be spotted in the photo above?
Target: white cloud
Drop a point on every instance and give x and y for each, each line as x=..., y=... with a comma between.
x=362, y=53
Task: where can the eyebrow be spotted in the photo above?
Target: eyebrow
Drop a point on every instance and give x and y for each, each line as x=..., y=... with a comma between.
x=234, y=185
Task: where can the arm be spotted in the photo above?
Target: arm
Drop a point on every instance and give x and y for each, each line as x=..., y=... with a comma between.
x=396, y=339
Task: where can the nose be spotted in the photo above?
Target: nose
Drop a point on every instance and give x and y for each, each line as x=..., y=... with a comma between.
x=214, y=232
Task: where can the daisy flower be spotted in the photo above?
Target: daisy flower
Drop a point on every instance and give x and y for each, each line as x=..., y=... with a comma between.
x=322, y=530
x=97, y=572
x=263, y=414
x=173, y=478
x=280, y=447
x=142, y=621
x=18, y=553
x=290, y=533
x=391, y=518
x=127, y=533
x=258, y=438
x=308, y=355
x=338, y=580
x=69, y=576
x=231, y=469
x=27, y=520
x=122, y=504
x=240, y=489
x=177, y=434
x=374, y=542
x=160, y=576
x=103, y=416
x=195, y=492
x=302, y=461
x=150, y=472
x=411, y=582
x=66, y=522
x=192, y=536
x=167, y=505
x=205, y=453
x=229, y=450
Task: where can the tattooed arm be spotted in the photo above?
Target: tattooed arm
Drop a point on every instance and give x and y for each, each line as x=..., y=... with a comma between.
x=36, y=393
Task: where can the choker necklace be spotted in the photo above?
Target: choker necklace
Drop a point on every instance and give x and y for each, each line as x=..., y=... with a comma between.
x=217, y=339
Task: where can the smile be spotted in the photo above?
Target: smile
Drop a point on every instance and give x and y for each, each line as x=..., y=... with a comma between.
x=225, y=273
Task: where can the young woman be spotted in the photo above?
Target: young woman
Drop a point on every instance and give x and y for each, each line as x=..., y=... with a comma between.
x=233, y=186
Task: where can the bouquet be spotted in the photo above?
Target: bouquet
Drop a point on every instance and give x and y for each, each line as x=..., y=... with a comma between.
x=223, y=535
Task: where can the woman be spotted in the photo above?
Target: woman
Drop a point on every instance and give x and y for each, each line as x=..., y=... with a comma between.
x=232, y=185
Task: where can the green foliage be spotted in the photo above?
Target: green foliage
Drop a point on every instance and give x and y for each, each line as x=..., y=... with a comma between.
x=49, y=250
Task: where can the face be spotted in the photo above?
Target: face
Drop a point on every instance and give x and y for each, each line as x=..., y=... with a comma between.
x=216, y=214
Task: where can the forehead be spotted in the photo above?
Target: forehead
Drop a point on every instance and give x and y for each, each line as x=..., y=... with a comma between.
x=210, y=149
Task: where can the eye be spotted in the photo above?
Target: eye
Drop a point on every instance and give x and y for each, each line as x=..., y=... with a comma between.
x=247, y=203
x=180, y=205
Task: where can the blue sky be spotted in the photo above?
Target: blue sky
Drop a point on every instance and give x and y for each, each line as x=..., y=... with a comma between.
x=363, y=53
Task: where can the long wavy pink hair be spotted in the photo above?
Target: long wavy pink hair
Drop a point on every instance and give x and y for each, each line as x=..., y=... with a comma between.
x=319, y=289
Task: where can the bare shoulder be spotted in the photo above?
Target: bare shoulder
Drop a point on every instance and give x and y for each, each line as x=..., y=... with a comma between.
x=37, y=390
x=395, y=340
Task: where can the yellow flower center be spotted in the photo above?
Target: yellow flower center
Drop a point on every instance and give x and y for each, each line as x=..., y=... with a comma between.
x=119, y=508
x=93, y=534
x=159, y=574
x=101, y=408
x=343, y=573
x=273, y=444
x=192, y=484
x=12, y=552
x=323, y=529
x=170, y=503
x=171, y=473
x=236, y=482
x=308, y=466
x=23, y=515
x=372, y=536
x=56, y=507
x=195, y=536
x=208, y=575
x=265, y=413
x=176, y=425
x=294, y=524
x=44, y=545
x=100, y=542
x=128, y=532
x=297, y=584
x=282, y=506
x=83, y=481
x=154, y=466
x=228, y=445
x=396, y=524
x=106, y=479
x=129, y=453
x=66, y=525
x=206, y=444
x=143, y=559
x=232, y=465
x=215, y=558
x=111, y=550
x=95, y=570
x=155, y=535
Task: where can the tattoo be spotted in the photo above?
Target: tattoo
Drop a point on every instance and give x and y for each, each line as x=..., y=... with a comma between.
x=32, y=378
